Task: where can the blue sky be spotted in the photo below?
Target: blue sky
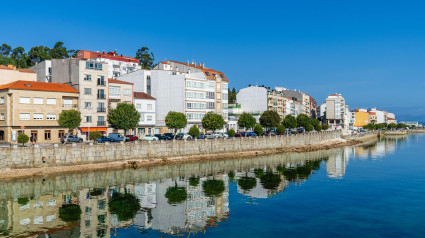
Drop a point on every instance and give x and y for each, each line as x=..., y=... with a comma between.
x=373, y=52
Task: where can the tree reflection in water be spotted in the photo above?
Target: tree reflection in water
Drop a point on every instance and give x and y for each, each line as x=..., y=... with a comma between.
x=176, y=195
x=125, y=206
x=213, y=188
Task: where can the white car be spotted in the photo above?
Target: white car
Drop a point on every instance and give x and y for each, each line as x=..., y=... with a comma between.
x=220, y=135
x=150, y=137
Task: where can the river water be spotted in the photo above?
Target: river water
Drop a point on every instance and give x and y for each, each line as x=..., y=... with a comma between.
x=373, y=190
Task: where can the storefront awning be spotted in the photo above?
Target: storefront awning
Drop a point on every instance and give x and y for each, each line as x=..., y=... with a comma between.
x=85, y=129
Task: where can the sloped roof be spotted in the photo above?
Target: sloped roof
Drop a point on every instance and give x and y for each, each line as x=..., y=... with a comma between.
x=140, y=95
x=39, y=86
x=205, y=70
x=118, y=81
x=85, y=54
x=20, y=70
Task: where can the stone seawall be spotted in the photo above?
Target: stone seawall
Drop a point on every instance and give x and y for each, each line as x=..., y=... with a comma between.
x=362, y=137
x=60, y=155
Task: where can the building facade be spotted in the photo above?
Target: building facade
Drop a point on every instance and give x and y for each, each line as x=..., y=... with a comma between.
x=33, y=108
x=117, y=64
x=10, y=74
x=145, y=105
x=335, y=111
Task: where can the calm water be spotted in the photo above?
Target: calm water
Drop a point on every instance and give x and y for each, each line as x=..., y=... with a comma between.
x=377, y=190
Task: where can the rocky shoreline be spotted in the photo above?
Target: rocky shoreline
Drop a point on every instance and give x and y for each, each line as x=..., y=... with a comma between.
x=28, y=172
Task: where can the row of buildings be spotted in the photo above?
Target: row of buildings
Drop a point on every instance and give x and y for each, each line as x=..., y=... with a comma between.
x=93, y=83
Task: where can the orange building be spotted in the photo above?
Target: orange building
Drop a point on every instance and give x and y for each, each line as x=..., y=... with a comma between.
x=361, y=119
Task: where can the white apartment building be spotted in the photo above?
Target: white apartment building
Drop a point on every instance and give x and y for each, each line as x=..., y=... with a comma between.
x=117, y=64
x=90, y=78
x=145, y=105
x=183, y=87
x=383, y=116
x=252, y=99
x=335, y=111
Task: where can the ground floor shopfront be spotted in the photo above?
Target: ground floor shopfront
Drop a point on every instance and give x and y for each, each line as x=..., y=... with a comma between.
x=41, y=134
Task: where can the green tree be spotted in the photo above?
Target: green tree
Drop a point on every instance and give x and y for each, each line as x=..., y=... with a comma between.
x=212, y=121
x=125, y=206
x=20, y=57
x=325, y=127
x=145, y=58
x=59, y=51
x=401, y=125
x=231, y=132
x=309, y=127
x=94, y=135
x=315, y=122
x=5, y=50
x=246, y=121
x=232, y=95
x=38, y=54
x=270, y=119
x=213, y=188
x=247, y=183
x=22, y=138
x=70, y=213
x=194, y=131
x=280, y=129
x=176, y=195
x=290, y=122
x=73, y=53
x=125, y=117
x=392, y=126
x=6, y=60
x=303, y=120
x=258, y=129
x=69, y=119
x=318, y=127
x=175, y=120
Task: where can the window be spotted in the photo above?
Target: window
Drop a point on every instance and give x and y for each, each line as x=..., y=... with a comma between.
x=51, y=101
x=101, y=205
x=225, y=86
x=47, y=135
x=142, y=117
x=87, y=105
x=24, y=116
x=101, y=107
x=148, y=84
x=211, y=85
x=2, y=117
x=87, y=91
x=101, y=80
x=51, y=116
x=225, y=96
x=138, y=106
x=38, y=116
x=25, y=100
x=222, y=76
x=2, y=100
x=114, y=91
x=67, y=102
x=208, y=74
x=195, y=84
x=87, y=77
x=88, y=118
x=210, y=95
x=195, y=116
x=61, y=133
x=195, y=95
x=100, y=120
x=149, y=106
x=101, y=94
x=149, y=118
x=92, y=65
x=214, y=75
x=195, y=105
x=210, y=105
x=127, y=92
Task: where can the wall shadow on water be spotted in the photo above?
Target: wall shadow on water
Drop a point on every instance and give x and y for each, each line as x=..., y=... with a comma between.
x=170, y=199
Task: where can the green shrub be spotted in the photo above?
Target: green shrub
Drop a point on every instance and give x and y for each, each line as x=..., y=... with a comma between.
x=94, y=135
x=231, y=132
x=309, y=127
x=325, y=127
x=280, y=129
x=22, y=138
x=318, y=127
x=194, y=131
x=258, y=129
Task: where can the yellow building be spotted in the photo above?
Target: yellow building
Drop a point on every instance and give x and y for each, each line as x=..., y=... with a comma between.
x=33, y=108
x=361, y=119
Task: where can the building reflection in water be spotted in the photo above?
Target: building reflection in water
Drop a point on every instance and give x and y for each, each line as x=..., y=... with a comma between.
x=30, y=208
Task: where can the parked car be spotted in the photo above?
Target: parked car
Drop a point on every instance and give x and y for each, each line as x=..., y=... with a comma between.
x=300, y=130
x=171, y=135
x=240, y=134
x=183, y=136
x=270, y=133
x=104, y=139
x=131, y=138
x=150, y=138
x=72, y=139
x=163, y=137
x=251, y=134
x=116, y=137
x=209, y=136
x=201, y=136
x=220, y=135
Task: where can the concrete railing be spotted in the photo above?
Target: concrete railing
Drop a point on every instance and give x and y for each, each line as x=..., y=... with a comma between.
x=59, y=155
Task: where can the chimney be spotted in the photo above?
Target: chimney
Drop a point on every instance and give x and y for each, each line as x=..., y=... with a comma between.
x=203, y=65
x=187, y=61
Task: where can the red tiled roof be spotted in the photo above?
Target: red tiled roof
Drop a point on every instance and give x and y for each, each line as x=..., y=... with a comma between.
x=118, y=81
x=85, y=54
x=205, y=70
x=20, y=70
x=335, y=94
x=164, y=62
x=391, y=119
x=39, y=86
x=140, y=95
x=372, y=113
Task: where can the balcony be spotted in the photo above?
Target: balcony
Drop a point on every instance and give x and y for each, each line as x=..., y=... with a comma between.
x=101, y=96
x=101, y=84
x=70, y=105
x=101, y=123
x=101, y=109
